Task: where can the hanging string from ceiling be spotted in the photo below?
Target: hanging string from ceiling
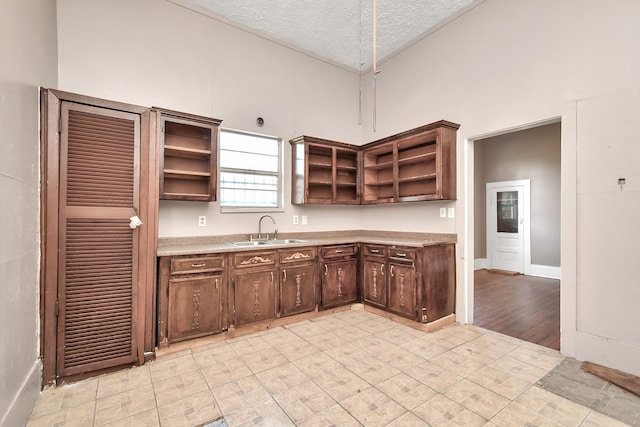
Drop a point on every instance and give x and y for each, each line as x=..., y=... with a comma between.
x=375, y=66
x=360, y=75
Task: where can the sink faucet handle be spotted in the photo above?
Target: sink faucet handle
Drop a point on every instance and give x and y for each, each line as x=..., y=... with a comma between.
x=275, y=235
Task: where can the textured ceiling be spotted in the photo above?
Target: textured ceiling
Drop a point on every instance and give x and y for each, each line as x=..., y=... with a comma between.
x=337, y=31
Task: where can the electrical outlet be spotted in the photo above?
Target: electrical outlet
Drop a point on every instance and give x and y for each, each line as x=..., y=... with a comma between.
x=296, y=220
x=304, y=220
x=443, y=212
x=452, y=213
x=202, y=221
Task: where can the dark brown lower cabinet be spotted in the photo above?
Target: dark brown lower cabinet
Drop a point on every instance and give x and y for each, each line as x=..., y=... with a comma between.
x=195, y=307
x=374, y=275
x=254, y=279
x=298, y=278
x=403, y=289
x=339, y=275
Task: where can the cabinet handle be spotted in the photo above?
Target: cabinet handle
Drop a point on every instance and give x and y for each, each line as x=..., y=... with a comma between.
x=401, y=255
x=391, y=271
x=284, y=275
x=216, y=283
x=326, y=269
x=375, y=251
x=272, y=277
x=200, y=265
x=382, y=269
x=339, y=251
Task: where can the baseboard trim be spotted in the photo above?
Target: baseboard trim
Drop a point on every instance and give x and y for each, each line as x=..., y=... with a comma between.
x=20, y=409
x=545, y=271
x=480, y=264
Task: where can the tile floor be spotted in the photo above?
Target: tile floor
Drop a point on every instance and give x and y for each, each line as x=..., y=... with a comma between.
x=349, y=368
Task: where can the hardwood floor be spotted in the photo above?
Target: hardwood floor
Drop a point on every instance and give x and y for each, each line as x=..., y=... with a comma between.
x=524, y=307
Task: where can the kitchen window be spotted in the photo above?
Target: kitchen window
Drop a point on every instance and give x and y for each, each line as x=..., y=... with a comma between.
x=250, y=172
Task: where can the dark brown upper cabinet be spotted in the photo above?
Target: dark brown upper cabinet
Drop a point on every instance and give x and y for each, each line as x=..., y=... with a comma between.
x=416, y=165
x=324, y=172
x=188, y=166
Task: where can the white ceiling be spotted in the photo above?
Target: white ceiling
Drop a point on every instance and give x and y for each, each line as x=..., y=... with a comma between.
x=337, y=31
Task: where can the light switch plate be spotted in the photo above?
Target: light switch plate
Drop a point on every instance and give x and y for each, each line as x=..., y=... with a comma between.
x=304, y=219
x=451, y=213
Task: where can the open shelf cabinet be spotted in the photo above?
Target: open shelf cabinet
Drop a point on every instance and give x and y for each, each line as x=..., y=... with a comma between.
x=188, y=165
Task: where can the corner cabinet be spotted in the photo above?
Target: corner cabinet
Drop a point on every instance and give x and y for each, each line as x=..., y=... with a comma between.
x=188, y=161
x=416, y=165
x=324, y=172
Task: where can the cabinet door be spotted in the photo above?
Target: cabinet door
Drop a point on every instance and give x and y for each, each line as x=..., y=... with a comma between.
x=375, y=283
x=297, y=289
x=254, y=297
x=195, y=307
x=402, y=289
x=339, y=283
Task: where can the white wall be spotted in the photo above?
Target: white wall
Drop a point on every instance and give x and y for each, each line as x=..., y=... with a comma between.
x=155, y=53
x=506, y=65
x=28, y=58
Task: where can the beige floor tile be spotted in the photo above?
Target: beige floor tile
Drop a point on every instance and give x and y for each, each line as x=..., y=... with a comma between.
x=507, y=377
x=263, y=360
x=178, y=387
x=424, y=348
x=400, y=335
x=280, y=336
x=406, y=391
x=240, y=394
x=194, y=410
x=517, y=415
x=325, y=341
x=265, y=413
x=340, y=384
x=434, y=376
x=282, y=378
x=552, y=406
x=373, y=408
x=55, y=399
x=596, y=419
x=458, y=363
x=408, y=420
x=370, y=369
x=162, y=368
x=543, y=358
x=306, y=329
x=213, y=354
x=143, y=419
x=303, y=401
x=373, y=345
x=452, y=336
x=345, y=353
x=330, y=323
x=332, y=416
x=297, y=349
x=225, y=372
x=249, y=345
x=485, y=349
x=78, y=415
x=120, y=381
x=441, y=411
x=317, y=364
x=123, y=405
x=478, y=399
x=400, y=358
x=376, y=325
x=351, y=333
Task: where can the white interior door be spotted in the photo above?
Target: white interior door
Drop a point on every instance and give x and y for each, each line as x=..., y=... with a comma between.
x=507, y=224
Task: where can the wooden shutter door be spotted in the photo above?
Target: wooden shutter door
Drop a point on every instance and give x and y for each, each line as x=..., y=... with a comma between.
x=97, y=275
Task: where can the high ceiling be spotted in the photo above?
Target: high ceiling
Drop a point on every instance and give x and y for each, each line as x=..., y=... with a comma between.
x=337, y=31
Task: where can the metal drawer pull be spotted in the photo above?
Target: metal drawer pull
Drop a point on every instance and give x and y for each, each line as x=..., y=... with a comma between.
x=200, y=265
x=326, y=269
x=339, y=251
x=401, y=255
x=391, y=271
x=382, y=269
x=375, y=251
x=284, y=275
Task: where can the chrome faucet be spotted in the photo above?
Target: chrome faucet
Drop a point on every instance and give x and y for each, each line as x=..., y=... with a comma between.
x=275, y=233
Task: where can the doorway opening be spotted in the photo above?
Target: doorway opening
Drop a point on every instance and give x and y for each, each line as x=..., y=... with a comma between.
x=506, y=166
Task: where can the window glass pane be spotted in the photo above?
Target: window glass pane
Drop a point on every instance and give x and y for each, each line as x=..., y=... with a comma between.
x=507, y=212
x=249, y=170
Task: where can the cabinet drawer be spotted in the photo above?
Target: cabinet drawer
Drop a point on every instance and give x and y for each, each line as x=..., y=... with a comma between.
x=339, y=251
x=297, y=254
x=375, y=250
x=402, y=254
x=197, y=264
x=254, y=259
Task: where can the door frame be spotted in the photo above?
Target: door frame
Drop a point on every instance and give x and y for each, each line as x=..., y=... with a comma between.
x=50, y=107
x=526, y=226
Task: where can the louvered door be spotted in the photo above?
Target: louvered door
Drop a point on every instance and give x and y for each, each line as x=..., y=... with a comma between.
x=97, y=274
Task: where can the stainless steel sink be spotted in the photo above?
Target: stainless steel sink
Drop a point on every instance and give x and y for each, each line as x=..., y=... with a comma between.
x=256, y=243
x=250, y=243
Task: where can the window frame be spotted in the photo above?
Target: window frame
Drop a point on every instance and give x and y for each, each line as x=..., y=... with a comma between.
x=280, y=173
